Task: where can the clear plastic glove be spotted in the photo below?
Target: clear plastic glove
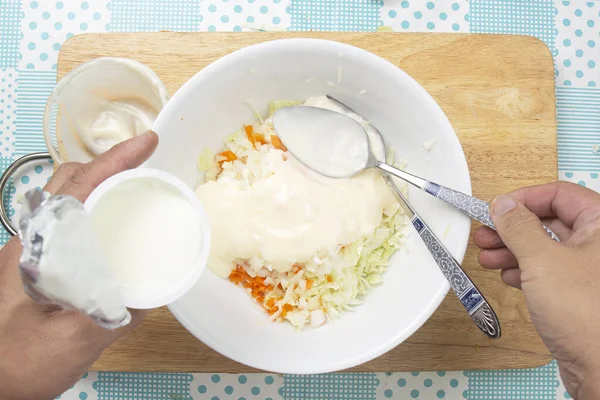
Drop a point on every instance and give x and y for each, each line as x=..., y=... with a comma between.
x=560, y=281
x=56, y=235
x=51, y=344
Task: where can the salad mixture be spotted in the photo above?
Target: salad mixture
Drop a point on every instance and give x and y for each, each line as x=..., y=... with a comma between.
x=305, y=247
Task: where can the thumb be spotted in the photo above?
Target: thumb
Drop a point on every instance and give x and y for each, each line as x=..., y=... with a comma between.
x=520, y=229
x=123, y=156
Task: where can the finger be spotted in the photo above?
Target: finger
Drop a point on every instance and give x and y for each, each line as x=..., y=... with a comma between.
x=520, y=229
x=61, y=176
x=558, y=199
x=501, y=258
x=512, y=277
x=126, y=155
x=557, y=226
x=487, y=238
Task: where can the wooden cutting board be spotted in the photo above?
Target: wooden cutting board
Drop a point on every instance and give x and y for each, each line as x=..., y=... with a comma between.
x=497, y=91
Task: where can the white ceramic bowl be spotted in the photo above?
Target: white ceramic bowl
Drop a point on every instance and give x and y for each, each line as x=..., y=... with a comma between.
x=212, y=104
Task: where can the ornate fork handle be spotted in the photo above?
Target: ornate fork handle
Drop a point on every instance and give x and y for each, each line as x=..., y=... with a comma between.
x=472, y=300
x=472, y=206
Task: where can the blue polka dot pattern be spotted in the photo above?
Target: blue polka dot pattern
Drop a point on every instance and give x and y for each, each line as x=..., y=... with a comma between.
x=534, y=18
x=419, y=16
x=238, y=16
x=45, y=19
x=425, y=385
x=575, y=43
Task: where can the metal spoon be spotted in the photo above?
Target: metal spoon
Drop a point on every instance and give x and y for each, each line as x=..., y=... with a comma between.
x=472, y=300
x=318, y=122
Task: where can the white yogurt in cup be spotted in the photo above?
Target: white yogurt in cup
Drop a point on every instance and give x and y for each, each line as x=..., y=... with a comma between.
x=154, y=232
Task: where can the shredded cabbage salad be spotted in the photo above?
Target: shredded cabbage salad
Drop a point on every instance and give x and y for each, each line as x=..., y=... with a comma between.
x=323, y=288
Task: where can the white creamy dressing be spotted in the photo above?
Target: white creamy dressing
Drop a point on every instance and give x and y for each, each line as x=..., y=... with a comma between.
x=150, y=234
x=288, y=216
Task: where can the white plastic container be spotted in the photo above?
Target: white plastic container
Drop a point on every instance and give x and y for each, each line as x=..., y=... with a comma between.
x=117, y=97
x=154, y=232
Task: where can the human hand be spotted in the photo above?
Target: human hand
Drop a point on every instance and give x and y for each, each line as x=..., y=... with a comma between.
x=560, y=281
x=52, y=345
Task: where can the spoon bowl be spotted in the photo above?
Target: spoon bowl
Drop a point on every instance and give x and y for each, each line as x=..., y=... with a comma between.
x=328, y=142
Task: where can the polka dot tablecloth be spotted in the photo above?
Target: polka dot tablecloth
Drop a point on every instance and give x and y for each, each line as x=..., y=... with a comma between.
x=32, y=32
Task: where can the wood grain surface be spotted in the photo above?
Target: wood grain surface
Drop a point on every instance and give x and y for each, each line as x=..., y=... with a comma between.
x=497, y=91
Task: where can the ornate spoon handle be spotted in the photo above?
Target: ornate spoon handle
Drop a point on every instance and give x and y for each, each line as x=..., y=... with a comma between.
x=472, y=300
x=469, y=205
x=472, y=206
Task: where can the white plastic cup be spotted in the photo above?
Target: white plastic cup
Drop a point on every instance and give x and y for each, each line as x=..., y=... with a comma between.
x=172, y=293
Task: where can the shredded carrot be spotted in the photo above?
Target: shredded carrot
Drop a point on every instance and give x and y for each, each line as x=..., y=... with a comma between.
x=250, y=134
x=286, y=309
x=260, y=138
x=309, y=283
x=276, y=142
x=257, y=286
x=254, y=137
x=229, y=156
x=329, y=278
